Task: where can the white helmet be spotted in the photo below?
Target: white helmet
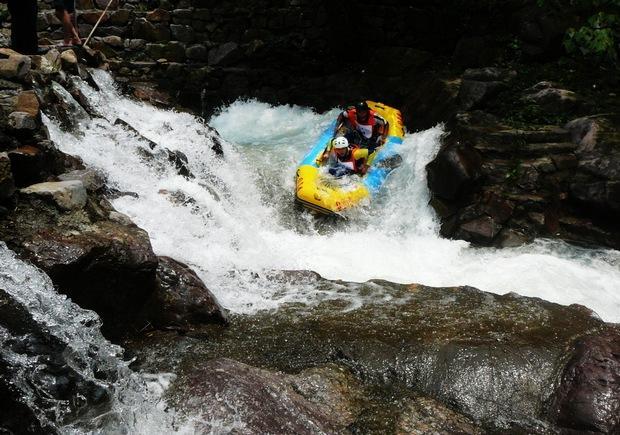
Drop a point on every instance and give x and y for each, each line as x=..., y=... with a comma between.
x=340, y=142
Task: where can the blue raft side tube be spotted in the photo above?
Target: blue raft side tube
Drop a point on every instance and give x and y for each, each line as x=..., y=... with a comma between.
x=376, y=175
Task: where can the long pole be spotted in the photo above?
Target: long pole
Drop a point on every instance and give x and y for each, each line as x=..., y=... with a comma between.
x=97, y=23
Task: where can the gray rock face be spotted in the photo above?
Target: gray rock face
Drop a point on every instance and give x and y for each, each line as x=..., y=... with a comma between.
x=68, y=195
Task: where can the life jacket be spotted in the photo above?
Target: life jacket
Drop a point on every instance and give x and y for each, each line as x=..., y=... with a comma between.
x=364, y=129
x=349, y=162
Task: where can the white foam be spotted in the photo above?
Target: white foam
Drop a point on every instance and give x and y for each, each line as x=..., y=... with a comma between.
x=241, y=216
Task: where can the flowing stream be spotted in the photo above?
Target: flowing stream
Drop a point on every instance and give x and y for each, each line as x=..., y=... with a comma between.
x=235, y=219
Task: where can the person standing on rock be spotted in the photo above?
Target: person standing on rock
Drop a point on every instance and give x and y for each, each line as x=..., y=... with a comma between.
x=24, y=37
x=65, y=11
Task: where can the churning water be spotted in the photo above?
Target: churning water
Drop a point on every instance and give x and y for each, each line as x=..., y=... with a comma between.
x=235, y=218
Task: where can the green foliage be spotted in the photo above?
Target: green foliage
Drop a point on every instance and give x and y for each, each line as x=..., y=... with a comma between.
x=598, y=38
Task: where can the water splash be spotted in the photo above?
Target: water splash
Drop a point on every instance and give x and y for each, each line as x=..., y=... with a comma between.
x=236, y=218
x=136, y=400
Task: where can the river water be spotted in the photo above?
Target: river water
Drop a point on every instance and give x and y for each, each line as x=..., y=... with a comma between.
x=235, y=219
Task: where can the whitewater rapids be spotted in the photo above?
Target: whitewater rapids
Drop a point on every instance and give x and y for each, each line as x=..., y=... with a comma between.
x=236, y=220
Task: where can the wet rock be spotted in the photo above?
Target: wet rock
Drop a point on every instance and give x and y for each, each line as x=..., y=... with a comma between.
x=180, y=298
x=481, y=231
x=494, y=359
x=426, y=416
x=102, y=265
x=68, y=195
x=30, y=165
x=69, y=61
x=588, y=397
x=31, y=399
x=7, y=185
x=314, y=402
x=92, y=179
x=453, y=171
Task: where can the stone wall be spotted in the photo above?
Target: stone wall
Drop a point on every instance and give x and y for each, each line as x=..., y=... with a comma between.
x=319, y=53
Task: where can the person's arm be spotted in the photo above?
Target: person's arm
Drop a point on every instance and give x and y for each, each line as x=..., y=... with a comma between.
x=361, y=155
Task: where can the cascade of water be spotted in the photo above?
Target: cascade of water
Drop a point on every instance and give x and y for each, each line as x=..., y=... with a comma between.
x=235, y=219
x=65, y=345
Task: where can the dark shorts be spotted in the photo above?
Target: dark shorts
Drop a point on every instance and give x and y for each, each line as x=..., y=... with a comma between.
x=67, y=5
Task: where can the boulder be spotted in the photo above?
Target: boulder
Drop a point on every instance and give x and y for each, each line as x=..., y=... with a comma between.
x=588, y=397
x=101, y=264
x=69, y=61
x=453, y=171
x=492, y=361
x=180, y=298
x=92, y=179
x=15, y=67
x=68, y=195
x=552, y=98
x=481, y=231
x=317, y=401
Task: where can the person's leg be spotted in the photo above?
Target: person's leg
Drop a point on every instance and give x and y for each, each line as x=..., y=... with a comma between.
x=70, y=8
x=70, y=35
